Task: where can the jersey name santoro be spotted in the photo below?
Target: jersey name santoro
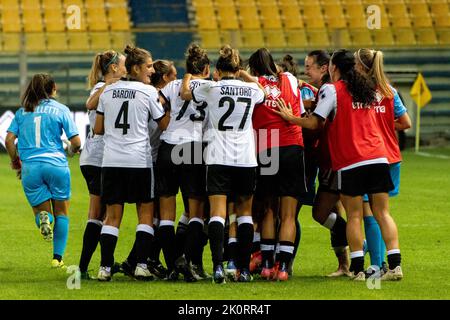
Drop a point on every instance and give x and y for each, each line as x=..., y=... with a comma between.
x=127, y=107
x=92, y=153
x=229, y=134
x=187, y=118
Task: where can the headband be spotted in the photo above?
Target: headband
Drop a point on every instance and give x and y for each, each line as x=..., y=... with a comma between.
x=113, y=60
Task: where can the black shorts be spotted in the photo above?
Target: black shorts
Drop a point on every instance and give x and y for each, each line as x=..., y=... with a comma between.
x=289, y=179
x=189, y=176
x=328, y=181
x=368, y=179
x=311, y=169
x=93, y=177
x=230, y=181
x=127, y=185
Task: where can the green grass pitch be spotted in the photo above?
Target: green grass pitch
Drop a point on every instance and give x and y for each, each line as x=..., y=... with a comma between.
x=421, y=212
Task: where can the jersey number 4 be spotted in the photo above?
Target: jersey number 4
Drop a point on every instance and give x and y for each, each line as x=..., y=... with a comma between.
x=231, y=106
x=123, y=112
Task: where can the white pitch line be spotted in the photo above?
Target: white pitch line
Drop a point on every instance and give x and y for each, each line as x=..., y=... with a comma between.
x=430, y=155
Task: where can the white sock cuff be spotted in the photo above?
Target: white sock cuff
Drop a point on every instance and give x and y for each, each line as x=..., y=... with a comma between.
x=393, y=251
x=329, y=223
x=256, y=237
x=197, y=220
x=232, y=218
x=97, y=222
x=217, y=219
x=356, y=254
x=289, y=249
x=169, y=223
x=277, y=248
x=110, y=230
x=145, y=228
x=184, y=219
x=245, y=219
x=156, y=222
x=267, y=247
x=232, y=240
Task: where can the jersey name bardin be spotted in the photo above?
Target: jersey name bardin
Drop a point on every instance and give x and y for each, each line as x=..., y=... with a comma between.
x=124, y=94
x=236, y=91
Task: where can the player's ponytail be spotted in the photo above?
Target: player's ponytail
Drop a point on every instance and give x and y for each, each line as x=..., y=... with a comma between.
x=162, y=68
x=40, y=87
x=261, y=63
x=361, y=87
x=229, y=60
x=135, y=56
x=101, y=64
x=288, y=64
x=196, y=59
x=373, y=65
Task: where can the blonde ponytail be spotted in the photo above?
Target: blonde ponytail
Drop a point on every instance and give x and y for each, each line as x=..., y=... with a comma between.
x=96, y=71
x=372, y=62
x=100, y=66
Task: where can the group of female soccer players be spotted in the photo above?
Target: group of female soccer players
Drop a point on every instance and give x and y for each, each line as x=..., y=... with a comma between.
x=244, y=145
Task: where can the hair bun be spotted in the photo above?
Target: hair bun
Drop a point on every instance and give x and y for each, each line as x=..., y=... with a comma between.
x=195, y=51
x=129, y=49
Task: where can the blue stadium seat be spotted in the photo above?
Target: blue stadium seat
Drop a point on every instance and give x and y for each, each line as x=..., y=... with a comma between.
x=164, y=44
x=162, y=12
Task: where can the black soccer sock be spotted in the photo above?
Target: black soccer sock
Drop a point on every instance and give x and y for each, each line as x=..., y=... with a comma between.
x=267, y=252
x=166, y=237
x=180, y=236
x=298, y=236
x=357, y=261
x=91, y=238
x=216, y=233
x=144, y=237
x=155, y=248
x=286, y=251
x=108, y=240
x=256, y=245
x=132, y=256
x=394, y=258
x=193, y=239
x=232, y=249
x=339, y=233
x=245, y=241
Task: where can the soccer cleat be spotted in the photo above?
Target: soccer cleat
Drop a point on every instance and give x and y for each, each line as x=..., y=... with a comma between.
x=282, y=274
x=255, y=261
x=44, y=226
x=142, y=273
x=181, y=266
x=86, y=276
x=157, y=269
x=219, y=274
x=104, y=274
x=199, y=272
x=231, y=270
x=56, y=264
x=291, y=267
x=393, y=275
x=245, y=276
x=373, y=272
x=267, y=273
x=172, y=276
x=116, y=268
x=361, y=276
x=340, y=273
x=127, y=269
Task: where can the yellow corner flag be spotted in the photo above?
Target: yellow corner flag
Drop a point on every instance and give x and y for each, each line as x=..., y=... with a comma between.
x=420, y=92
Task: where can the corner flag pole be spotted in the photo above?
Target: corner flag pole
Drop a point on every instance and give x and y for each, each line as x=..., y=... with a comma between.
x=418, y=120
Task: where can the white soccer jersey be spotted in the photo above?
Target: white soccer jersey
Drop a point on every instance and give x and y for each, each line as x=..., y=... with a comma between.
x=186, y=117
x=155, y=141
x=92, y=153
x=230, y=134
x=127, y=107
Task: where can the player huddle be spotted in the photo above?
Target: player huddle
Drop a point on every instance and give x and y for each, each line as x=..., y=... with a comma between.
x=244, y=145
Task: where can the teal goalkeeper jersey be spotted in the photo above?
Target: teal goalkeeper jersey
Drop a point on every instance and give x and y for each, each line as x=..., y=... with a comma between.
x=39, y=132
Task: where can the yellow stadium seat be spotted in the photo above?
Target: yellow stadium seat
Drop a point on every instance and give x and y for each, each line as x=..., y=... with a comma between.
x=398, y=14
x=275, y=39
x=312, y=15
x=96, y=15
x=11, y=19
x=32, y=21
x=11, y=42
x=296, y=39
x=119, y=40
x=383, y=37
x=426, y=36
x=318, y=38
x=443, y=36
x=227, y=17
x=405, y=37
x=290, y=13
x=249, y=18
x=361, y=38
x=232, y=37
x=35, y=42
x=252, y=39
x=100, y=41
x=53, y=19
x=57, y=41
x=78, y=41
x=270, y=15
x=420, y=15
x=355, y=14
x=118, y=16
x=340, y=38
x=210, y=39
x=440, y=13
x=334, y=15
x=206, y=17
